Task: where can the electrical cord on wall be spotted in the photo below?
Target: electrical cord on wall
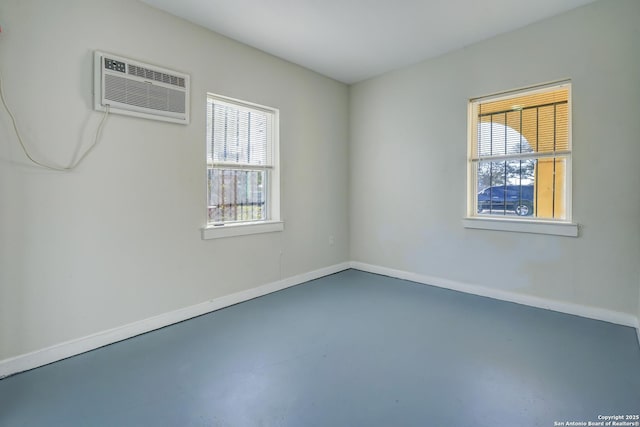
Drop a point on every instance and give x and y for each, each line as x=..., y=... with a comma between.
x=42, y=164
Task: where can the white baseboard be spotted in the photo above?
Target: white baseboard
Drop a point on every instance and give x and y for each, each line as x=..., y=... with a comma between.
x=74, y=347
x=81, y=345
x=499, y=294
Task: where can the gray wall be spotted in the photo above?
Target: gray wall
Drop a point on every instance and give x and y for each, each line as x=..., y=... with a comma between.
x=118, y=239
x=408, y=148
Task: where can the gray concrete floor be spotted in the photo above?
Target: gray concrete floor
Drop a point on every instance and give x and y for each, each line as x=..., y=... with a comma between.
x=351, y=349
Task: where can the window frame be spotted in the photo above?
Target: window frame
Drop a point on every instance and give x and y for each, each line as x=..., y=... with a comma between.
x=560, y=227
x=272, y=221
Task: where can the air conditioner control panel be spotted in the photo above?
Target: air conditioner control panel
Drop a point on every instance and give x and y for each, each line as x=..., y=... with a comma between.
x=112, y=64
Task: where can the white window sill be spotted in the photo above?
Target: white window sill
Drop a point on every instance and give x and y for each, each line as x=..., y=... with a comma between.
x=523, y=226
x=240, y=229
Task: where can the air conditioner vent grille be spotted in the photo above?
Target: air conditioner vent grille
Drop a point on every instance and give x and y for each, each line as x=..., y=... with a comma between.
x=146, y=73
x=133, y=92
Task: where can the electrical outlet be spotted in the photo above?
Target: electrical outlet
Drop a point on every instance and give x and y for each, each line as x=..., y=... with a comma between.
x=332, y=240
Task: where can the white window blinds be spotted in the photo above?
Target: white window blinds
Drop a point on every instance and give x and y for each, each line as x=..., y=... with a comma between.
x=237, y=136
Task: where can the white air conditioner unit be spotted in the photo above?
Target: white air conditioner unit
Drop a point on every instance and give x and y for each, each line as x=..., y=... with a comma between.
x=142, y=90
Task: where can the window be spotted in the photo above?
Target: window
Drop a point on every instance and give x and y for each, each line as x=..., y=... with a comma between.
x=242, y=168
x=520, y=156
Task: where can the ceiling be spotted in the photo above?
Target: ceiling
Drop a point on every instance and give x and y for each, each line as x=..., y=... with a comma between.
x=352, y=40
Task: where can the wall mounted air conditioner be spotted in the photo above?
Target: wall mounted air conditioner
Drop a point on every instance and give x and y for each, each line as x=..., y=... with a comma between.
x=142, y=90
